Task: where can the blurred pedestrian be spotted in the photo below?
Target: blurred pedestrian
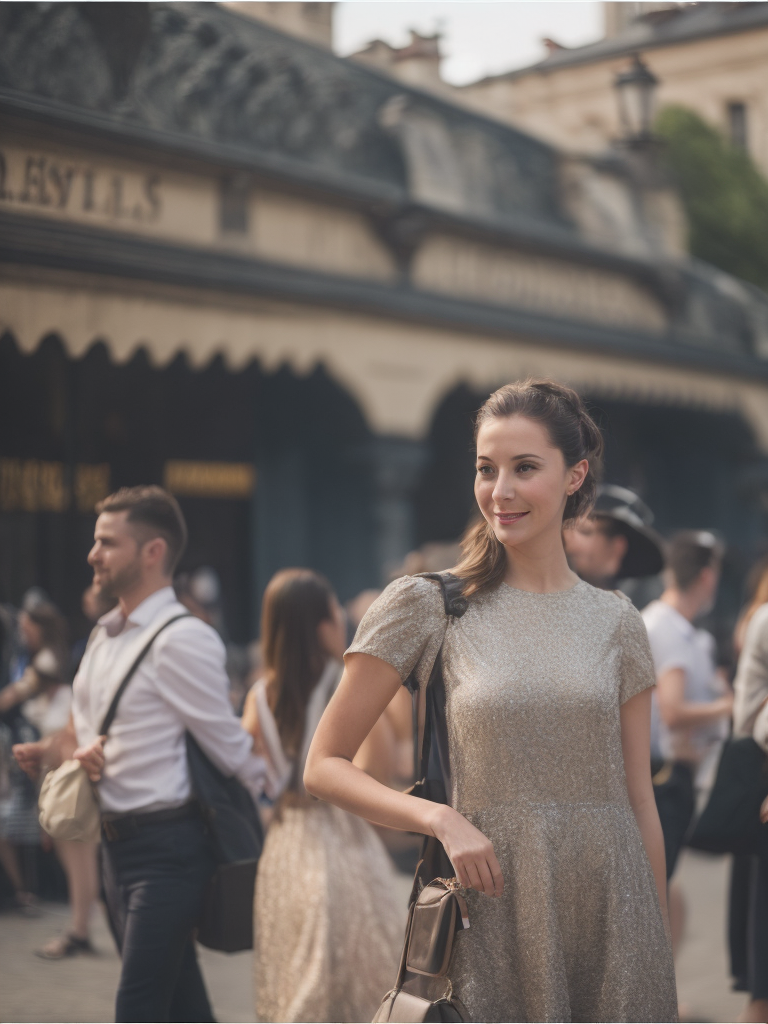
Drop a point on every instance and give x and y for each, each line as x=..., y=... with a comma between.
x=750, y=718
x=692, y=702
x=37, y=699
x=552, y=829
x=48, y=710
x=327, y=928
x=743, y=866
x=156, y=855
x=616, y=541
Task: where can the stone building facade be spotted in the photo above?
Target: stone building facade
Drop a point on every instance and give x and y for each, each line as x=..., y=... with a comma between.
x=280, y=282
x=709, y=57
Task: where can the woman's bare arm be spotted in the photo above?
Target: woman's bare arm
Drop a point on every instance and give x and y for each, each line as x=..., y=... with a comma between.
x=636, y=748
x=365, y=690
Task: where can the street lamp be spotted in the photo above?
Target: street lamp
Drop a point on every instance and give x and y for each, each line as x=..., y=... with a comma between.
x=636, y=92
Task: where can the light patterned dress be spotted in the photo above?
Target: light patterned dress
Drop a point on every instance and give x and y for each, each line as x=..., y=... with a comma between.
x=534, y=685
x=328, y=924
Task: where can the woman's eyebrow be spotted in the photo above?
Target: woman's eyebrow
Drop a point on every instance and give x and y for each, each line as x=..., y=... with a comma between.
x=530, y=455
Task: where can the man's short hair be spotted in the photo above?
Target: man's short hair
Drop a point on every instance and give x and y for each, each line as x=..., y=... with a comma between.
x=690, y=551
x=157, y=511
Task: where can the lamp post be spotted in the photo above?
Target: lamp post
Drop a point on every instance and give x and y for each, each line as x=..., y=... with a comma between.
x=636, y=94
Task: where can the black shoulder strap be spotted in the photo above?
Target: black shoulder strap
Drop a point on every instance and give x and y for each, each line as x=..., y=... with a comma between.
x=112, y=710
x=453, y=591
x=455, y=605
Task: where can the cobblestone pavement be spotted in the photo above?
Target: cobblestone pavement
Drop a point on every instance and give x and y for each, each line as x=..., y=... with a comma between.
x=82, y=989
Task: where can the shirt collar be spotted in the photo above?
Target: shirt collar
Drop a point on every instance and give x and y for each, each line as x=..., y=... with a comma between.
x=115, y=622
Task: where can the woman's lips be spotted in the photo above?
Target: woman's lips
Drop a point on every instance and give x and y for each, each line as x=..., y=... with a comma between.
x=509, y=517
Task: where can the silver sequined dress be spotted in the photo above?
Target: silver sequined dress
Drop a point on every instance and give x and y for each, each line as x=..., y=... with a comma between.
x=534, y=683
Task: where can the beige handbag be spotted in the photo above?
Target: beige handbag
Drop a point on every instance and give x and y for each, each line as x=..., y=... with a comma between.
x=68, y=804
x=422, y=991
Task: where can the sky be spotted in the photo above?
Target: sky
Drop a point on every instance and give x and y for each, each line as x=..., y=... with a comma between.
x=480, y=38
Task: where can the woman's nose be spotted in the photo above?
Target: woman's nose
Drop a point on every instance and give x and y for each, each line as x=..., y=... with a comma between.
x=504, y=490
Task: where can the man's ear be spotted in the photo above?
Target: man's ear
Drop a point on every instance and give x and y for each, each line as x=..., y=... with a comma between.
x=155, y=552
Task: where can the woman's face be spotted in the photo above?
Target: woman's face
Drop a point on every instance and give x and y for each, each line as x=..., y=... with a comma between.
x=31, y=633
x=522, y=481
x=332, y=632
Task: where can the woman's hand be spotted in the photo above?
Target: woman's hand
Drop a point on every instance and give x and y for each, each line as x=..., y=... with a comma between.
x=470, y=852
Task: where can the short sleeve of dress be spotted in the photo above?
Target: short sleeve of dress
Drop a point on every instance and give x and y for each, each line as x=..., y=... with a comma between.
x=405, y=627
x=637, y=672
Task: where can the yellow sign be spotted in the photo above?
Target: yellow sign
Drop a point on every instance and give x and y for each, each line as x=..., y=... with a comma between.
x=210, y=479
x=32, y=485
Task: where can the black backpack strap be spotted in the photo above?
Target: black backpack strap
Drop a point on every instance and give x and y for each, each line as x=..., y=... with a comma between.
x=112, y=710
x=455, y=605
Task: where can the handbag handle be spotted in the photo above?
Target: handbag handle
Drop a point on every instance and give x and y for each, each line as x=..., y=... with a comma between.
x=112, y=710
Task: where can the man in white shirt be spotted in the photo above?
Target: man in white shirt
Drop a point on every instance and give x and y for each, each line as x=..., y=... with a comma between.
x=691, y=704
x=156, y=857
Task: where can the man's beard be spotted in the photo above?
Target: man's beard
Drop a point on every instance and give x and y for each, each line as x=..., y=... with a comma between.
x=121, y=582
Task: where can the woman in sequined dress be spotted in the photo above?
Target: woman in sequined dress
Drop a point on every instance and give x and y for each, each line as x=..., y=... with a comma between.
x=327, y=924
x=552, y=826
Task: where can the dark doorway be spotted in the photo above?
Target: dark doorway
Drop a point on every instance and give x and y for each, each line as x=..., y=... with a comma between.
x=67, y=418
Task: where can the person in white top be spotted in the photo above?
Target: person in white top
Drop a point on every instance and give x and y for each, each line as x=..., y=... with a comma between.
x=692, y=702
x=156, y=856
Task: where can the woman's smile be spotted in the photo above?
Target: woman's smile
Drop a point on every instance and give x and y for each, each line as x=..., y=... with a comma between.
x=505, y=518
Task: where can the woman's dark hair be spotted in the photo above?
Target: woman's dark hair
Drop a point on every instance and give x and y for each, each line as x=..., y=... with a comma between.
x=571, y=429
x=295, y=602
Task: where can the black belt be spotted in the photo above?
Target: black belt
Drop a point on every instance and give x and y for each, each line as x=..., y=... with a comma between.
x=124, y=826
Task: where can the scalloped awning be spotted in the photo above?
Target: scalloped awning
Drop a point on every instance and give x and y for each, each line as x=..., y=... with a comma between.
x=397, y=371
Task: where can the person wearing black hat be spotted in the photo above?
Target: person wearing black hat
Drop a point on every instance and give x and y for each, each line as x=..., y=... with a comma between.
x=616, y=542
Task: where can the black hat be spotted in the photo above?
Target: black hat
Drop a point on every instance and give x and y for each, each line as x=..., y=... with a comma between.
x=644, y=552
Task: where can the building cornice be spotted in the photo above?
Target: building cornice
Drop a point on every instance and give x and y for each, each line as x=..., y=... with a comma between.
x=381, y=201
x=34, y=242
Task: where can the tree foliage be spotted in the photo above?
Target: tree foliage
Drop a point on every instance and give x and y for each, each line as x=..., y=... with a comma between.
x=724, y=194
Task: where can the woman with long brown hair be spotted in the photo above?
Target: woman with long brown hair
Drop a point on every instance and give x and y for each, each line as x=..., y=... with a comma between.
x=326, y=924
x=551, y=827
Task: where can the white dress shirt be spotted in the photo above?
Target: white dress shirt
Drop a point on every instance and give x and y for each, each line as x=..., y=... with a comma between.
x=180, y=685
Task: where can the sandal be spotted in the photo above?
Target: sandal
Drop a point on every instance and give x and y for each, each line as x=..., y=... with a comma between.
x=65, y=945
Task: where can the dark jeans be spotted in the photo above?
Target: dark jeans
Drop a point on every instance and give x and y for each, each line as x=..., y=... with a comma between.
x=154, y=883
x=675, y=802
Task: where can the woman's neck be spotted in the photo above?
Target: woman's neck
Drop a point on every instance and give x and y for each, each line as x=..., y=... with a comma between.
x=542, y=569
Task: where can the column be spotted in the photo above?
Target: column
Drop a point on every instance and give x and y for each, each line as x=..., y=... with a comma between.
x=396, y=464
